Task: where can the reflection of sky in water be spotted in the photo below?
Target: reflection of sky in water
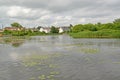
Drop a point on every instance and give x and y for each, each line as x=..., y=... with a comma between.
x=14, y=55
x=56, y=44
x=88, y=59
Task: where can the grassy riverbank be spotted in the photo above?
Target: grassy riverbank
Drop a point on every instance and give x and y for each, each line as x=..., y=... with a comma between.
x=97, y=34
x=99, y=30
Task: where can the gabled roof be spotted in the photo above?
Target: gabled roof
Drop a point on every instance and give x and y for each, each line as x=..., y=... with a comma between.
x=12, y=28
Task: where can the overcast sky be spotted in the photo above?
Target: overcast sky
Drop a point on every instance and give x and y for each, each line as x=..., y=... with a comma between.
x=31, y=13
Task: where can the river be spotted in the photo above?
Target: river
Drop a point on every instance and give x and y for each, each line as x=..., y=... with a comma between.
x=60, y=57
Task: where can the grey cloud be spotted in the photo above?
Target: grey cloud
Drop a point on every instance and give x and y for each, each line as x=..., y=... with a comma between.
x=88, y=9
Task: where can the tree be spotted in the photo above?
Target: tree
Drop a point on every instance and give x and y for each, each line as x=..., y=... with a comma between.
x=116, y=20
x=117, y=23
x=54, y=30
x=71, y=25
x=90, y=27
x=15, y=24
x=107, y=26
x=78, y=28
x=39, y=27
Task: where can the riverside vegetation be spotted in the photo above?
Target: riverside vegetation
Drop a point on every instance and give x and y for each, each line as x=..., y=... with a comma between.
x=27, y=32
x=99, y=30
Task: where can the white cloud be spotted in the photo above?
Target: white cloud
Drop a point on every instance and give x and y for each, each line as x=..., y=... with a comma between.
x=15, y=11
x=68, y=17
x=26, y=13
x=45, y=17
x=58, y=12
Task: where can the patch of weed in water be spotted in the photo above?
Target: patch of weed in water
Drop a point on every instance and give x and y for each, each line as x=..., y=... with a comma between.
x=32, y=78
x=52, y=66
x=34, y=60
x=54, y=73
x=42, y=77
x=39, y=69
x=40, y=63
x=116, y=62
x=90, y=50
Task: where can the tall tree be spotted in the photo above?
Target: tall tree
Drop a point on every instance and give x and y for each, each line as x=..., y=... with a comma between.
x=116, y=20
x=54, y=30
x=15, y=24
x=39, y=27
x=117, y=23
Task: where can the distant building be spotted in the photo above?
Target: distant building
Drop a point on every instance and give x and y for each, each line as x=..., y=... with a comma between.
x=61, y=29
x=64, y=29
x=45, y=29
x=1, y=30
x=33, y=29
x=12, y=29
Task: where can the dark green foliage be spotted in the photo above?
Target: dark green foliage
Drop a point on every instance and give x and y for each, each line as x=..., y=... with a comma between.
x=97, y=34
x=39, y=27
x=107, y=26
x=86, y=27
x=7, y=32
x=116, y=21
x=78, y=28
x=90, y=27
x=15, y=24
x=23, y=33
x=54, y=30
x=106, y=30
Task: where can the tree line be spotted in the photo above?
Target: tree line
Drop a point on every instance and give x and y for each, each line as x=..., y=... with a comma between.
x=105, y=30
x=115, y=25
x=23, y=31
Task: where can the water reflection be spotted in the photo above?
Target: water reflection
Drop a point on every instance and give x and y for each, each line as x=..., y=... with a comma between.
x=14, y=56
x=13, y=41
x=59, y=57
x=17, y=44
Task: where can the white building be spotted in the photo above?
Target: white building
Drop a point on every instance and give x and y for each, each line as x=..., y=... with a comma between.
x=45, y=29
x=64, y=29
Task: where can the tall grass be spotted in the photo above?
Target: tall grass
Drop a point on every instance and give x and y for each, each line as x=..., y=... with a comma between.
x=97, y=34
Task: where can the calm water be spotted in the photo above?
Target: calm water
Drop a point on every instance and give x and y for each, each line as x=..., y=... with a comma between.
x=60, y=58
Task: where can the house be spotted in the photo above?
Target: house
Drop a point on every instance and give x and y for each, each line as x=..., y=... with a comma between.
x=64, y=29
x=45, y=29
x=1, y=30
x=33, y=29
x=12, y=29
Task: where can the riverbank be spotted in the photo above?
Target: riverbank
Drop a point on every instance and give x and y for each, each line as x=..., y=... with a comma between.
x=97, y=34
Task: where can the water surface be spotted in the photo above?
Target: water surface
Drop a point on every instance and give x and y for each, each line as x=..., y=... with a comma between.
x=60, y=58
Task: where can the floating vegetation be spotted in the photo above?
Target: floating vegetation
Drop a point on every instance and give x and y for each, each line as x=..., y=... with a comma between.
x=41, y=63
x=39, y=69
x=14, y=40
x=50, y=76
x=34, y=60
x=54, y=73
x=45, y=77
x=33, y=78
x=87, y=59
x=90, y=50
x=78, y=44
x=42, y=77
x=52, y=66
x=116, y=62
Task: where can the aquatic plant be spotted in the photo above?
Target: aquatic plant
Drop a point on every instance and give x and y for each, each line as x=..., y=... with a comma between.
x=90, y=50
x=32, y=78
x=42, y=77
